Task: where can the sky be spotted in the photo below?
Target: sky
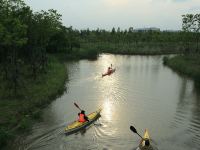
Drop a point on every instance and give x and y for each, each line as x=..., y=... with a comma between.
x=106, y=14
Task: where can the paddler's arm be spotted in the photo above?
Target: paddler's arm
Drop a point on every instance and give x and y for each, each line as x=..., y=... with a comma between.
x=86, y=118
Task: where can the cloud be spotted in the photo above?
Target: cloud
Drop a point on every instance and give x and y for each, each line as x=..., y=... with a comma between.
x=195, y=8
x=180, y=0
x=165, y=14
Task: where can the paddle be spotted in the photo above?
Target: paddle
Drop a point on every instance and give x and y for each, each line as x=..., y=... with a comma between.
x=135, y=131
x=77, y=106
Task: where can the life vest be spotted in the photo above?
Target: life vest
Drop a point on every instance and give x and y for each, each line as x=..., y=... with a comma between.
x=81, y=118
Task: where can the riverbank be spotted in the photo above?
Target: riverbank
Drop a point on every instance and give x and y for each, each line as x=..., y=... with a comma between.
x=90, y=53
x=19, y=113
x=139, y=48
x=185, y=64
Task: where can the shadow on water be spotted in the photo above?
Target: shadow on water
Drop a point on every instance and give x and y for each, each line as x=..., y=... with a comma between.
x=195, y=118
x=84, y=130
x=186, y=124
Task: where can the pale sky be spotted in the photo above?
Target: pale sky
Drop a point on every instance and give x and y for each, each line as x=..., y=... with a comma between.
x=105, y=14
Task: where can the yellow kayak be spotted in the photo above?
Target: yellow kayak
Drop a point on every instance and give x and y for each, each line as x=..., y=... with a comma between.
x=76, y=125
x=142, y=145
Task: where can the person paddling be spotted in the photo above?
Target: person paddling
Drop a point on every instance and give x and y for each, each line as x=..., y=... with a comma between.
x=145, y=141
x=145, y=145
x=109, y=70
x=82, y=116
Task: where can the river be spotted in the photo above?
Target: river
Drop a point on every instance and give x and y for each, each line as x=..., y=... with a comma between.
x=142, y=92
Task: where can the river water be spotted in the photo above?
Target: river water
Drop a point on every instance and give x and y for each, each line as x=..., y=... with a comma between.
x=142, y=92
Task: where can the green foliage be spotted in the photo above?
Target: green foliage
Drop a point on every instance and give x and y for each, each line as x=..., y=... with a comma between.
x=18, y=113
x=191, y=22
x=4, y=136
x=25, y=38
x=37, y=114
x=25, y=124
x=191, y=26
x=88, y=53
x=186, y=64
x=165, y=60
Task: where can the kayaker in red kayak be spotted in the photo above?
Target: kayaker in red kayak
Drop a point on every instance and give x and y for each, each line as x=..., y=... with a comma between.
x=109, y=71
x=82, y=116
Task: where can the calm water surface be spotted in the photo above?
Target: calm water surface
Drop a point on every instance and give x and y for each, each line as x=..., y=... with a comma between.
x=142, y=92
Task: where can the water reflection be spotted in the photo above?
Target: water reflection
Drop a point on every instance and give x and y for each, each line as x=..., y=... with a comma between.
x=108, y=111
x=195, y=120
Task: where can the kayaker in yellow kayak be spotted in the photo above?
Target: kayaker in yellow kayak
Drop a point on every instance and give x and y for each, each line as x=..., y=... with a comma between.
x=76, y=126
x=82, y=116
x=145, y=145
x=145, y=142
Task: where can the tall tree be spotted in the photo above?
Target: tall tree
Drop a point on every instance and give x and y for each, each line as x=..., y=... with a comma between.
x=191, y=23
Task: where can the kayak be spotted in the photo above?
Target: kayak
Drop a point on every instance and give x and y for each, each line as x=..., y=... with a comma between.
x=76, y=125
x=142, y=143
x=108, y=73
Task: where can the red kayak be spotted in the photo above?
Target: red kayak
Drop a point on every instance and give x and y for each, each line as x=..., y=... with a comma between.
x=108, y=73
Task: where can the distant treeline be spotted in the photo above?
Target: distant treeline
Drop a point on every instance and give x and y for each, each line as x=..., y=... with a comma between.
x=143, y=41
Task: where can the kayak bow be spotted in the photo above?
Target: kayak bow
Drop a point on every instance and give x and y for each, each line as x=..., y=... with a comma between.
x=76, y=125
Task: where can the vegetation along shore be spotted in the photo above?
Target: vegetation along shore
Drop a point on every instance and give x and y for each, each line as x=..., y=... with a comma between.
x=188, y=63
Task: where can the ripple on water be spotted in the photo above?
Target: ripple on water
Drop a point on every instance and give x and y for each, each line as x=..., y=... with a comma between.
x=180, y=118
x=194, y=130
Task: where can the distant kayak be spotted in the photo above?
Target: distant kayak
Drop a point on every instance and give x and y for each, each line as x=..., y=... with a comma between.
x=142, y=145
x=77, y=126
x=109, y=72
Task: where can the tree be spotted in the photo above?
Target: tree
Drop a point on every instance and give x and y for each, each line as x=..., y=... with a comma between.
x=113, y=31
x=12, y=39
x=191, y=23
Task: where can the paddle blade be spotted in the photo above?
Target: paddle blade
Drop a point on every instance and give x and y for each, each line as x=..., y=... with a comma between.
x=76, y=105
x=133, y=129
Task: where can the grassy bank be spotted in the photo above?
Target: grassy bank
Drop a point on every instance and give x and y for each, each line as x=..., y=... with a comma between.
x=139, y=48
x=19, y=112
x=186, y=64
x=90, y=52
